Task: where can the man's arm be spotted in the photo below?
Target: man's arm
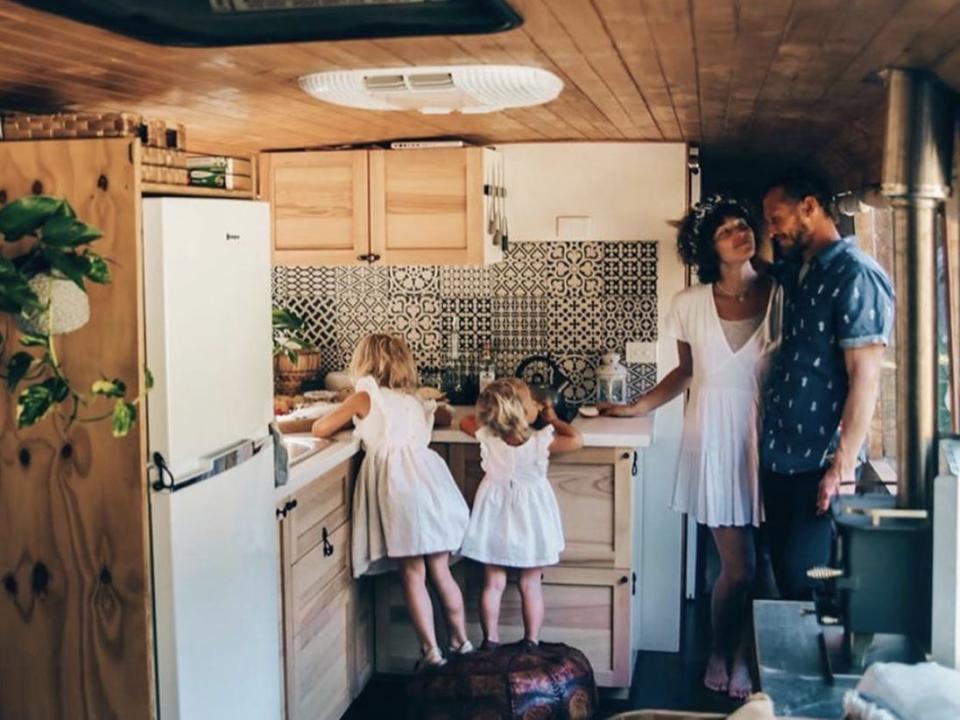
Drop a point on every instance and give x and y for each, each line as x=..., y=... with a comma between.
x=863, y=371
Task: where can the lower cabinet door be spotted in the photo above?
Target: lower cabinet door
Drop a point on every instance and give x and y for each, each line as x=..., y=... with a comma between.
x=586, y=608
x=319, y=677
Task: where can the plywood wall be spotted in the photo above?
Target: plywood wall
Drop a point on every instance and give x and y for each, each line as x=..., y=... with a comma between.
x=74, y=616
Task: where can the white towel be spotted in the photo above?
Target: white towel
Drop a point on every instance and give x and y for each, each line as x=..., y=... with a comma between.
x=894, y=691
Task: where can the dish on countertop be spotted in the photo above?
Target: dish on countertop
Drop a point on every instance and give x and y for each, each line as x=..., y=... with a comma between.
x=588, y=411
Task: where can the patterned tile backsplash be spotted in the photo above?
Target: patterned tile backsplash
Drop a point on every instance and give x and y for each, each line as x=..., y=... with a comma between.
x=575, y=300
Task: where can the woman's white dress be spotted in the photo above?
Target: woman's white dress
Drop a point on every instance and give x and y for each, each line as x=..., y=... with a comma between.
x=405, y=501
x=515, y=520
x=717, y=477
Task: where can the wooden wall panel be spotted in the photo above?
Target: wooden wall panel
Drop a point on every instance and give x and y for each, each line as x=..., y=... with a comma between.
x=75, y=500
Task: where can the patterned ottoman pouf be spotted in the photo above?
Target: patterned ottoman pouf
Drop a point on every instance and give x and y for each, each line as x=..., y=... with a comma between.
x=550, y=681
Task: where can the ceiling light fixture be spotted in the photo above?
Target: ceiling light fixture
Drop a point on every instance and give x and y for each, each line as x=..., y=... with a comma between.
x=436, y=90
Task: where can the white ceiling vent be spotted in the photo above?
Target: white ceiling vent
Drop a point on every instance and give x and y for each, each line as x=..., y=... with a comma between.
x=436, y=90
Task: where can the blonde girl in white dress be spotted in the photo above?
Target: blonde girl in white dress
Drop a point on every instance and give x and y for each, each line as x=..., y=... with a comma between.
x=725, y=330
x=515, y=521
x=406, y=505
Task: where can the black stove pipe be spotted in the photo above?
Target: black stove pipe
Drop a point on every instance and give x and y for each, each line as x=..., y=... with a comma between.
x=916, y=178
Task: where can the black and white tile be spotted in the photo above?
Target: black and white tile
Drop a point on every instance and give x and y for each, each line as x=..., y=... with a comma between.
x=571, y=300
x=641, y=378
x=472, y=318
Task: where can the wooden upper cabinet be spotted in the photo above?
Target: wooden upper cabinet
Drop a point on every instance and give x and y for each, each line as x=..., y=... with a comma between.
x=428, y=206
x=395, y=207
x=318, y=204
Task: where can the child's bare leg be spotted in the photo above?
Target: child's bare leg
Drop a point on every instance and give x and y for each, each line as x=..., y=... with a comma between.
x=438, y=566
x=494, y=582
x=531, y=596
x=414, y=576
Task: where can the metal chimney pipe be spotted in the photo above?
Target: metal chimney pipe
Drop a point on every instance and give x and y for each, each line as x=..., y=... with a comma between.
x=916, y=173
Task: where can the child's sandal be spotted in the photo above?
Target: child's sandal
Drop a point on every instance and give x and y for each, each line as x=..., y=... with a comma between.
x=432, y=658
x=465, y=647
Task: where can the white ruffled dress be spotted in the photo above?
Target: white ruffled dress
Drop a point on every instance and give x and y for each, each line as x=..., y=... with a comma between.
x=515, y=520
x=405, y=501
x=718, y=471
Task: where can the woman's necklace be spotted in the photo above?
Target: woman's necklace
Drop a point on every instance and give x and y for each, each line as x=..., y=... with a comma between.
x=740, y=296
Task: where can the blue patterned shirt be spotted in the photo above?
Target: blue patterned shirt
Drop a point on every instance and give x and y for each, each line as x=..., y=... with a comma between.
x=845, y=300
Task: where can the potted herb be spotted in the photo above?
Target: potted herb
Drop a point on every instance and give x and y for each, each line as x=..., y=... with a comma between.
x=43, y=289
x=294, y=360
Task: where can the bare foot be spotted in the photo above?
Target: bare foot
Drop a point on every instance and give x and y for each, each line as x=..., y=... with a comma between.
x=741, y=685
x=715, y=678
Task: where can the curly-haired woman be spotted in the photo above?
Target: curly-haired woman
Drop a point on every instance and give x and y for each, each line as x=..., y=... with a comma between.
x=725, y=330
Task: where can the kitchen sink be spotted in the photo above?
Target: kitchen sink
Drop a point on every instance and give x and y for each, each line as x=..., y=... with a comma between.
x=300, y=447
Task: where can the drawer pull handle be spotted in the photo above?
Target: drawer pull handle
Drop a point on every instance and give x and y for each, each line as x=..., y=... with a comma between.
x=327, y=545
x=623, y=580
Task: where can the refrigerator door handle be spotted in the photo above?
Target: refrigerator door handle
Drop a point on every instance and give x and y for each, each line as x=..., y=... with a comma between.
x=212, y=465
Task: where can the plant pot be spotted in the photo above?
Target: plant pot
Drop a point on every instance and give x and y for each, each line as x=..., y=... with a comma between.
x=66, y=307
x=289, y=376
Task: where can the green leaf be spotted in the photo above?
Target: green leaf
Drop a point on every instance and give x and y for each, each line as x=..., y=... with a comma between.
x=15, y=293
x=33, y=404
x=109, y=388
x=286, y=320
x=124, y=415
x=148, y=378
x=58, y=388
x=66, y=210
x=99, y=271
x=17, y=366
x=64, y=231
x=73, y=266
x=30, y=340
x=24, y=215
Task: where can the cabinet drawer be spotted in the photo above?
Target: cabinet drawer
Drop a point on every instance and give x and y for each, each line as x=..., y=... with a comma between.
x=312, y=575
x=323, y=504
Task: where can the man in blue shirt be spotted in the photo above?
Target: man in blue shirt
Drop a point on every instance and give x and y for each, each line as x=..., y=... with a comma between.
x=822, y=386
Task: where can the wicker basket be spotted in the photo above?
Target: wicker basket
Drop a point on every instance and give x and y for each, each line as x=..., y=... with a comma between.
x=155, y=133
x=289, y=376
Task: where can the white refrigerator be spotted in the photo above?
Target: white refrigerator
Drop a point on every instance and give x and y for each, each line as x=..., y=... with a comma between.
x=214, y=539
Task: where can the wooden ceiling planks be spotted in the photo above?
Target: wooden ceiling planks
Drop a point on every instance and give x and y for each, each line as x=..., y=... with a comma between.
x=671, y=27
x=744, y=77
x=716, y=37
x=630, y=34
x=593, y=42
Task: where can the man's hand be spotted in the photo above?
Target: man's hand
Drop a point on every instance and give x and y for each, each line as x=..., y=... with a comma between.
x=830, y=486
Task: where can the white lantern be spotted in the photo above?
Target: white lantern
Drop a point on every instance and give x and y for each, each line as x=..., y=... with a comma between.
x=612, y=380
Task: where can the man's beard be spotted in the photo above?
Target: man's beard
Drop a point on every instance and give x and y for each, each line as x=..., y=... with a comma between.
x=800, y=241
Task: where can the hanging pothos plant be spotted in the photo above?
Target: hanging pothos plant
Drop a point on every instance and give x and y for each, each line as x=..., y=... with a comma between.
x=43, y=290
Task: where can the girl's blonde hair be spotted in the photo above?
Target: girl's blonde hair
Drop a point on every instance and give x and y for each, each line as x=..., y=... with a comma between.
x=500, y=409
x=388, y=359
